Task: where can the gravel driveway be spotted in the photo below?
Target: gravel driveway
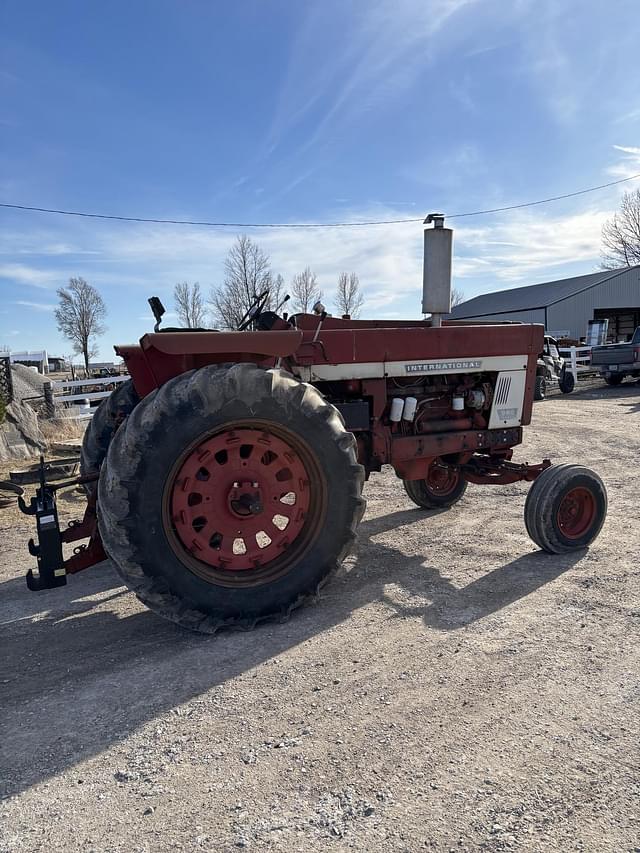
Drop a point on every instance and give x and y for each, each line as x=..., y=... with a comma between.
x=454, y=689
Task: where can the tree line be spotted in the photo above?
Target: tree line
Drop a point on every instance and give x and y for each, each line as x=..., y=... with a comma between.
x=81, y=310
x=247, y=273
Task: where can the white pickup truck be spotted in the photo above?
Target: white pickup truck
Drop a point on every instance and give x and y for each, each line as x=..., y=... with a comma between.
x=615, y=361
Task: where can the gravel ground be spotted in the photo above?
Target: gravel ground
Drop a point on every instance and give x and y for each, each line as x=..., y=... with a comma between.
x=454, y=689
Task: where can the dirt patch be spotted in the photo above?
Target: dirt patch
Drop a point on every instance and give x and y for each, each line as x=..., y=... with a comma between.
x=454, y=689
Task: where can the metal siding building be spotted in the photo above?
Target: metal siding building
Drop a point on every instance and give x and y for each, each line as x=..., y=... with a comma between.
x=536, y=315
x=567, y=304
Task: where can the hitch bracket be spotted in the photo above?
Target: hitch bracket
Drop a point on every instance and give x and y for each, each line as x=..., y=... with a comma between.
x=52, y=567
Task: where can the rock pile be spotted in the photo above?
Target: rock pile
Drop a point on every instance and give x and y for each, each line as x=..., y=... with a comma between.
x=20, y=436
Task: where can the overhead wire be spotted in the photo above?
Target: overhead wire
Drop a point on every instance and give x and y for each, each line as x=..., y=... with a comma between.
x=356, y=224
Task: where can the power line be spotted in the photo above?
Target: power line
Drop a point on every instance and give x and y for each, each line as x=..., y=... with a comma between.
x=211, y=224
x=207, y=224
x=544, y=200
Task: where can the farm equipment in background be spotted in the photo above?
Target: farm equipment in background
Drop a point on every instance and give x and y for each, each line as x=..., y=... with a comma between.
x=225, y=479
x=552, y=370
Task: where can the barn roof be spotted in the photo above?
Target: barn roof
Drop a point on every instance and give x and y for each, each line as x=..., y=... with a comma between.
x=532, y=296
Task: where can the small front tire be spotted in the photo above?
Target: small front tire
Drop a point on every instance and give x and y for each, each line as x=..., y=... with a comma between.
x=540, y=391
x=442, y=488
x=565, y=508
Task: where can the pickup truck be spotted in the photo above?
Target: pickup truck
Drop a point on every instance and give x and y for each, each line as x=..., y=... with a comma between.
x=615, y=361
x=104, y=373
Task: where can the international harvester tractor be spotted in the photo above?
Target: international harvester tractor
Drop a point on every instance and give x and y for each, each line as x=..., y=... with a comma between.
x=224, y=479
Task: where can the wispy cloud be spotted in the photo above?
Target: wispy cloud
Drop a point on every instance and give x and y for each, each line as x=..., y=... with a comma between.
x=394, y=42
x=23, y=274
x=628, y=164
x=528, y=245
x=377, y=52
x=37, y=306
x=632, y=115
x=563, y=74
x=38, y=242
x=461, y=92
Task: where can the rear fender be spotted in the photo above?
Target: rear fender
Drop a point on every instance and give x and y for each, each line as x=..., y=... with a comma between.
x=161, y=356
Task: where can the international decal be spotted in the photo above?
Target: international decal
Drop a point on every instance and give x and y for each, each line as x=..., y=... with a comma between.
x=439, y=366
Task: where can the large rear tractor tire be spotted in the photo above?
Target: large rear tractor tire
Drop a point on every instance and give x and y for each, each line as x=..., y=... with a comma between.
x=565, y=508
x=229, y=496
x=102, y=426
x=442, y=488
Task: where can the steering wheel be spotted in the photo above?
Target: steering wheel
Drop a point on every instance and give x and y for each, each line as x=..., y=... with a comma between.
x=254, y=310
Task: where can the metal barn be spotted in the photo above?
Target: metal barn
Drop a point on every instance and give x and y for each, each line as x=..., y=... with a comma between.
x=565, y=306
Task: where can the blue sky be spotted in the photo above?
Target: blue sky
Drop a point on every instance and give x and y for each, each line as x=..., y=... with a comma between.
x=272, y=110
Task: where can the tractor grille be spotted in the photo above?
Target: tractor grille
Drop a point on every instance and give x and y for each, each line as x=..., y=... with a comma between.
x=502, y=390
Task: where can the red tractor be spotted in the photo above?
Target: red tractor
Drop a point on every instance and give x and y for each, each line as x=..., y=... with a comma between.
x=224, y=479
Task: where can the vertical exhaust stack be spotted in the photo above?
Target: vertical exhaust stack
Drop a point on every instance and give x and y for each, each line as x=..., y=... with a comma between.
x=436, y=275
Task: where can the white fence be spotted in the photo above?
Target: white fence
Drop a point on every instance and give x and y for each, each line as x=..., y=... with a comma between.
x=60, y=391
x=578, y=360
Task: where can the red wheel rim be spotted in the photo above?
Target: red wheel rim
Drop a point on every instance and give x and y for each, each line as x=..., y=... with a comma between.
x=241, y=505
x=441, y=480
x=576, y=513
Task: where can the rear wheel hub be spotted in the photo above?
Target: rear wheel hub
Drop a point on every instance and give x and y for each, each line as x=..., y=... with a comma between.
x=241, y=499
x=245, y=499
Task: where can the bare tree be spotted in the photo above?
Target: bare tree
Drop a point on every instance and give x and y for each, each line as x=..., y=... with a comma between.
x=621, y=234
x=247, y=274
x=349, y=299
x=189, y=304
x=305, y=290
x=79, y=315
x=277, y=292
x=457, y=297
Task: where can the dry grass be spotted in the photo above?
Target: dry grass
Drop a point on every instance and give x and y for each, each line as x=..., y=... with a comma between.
x=62, y=430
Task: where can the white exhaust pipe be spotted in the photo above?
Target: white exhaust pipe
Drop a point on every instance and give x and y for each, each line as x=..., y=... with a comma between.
x=436, y=271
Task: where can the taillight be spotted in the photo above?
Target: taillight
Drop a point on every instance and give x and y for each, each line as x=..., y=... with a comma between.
x=636, y=354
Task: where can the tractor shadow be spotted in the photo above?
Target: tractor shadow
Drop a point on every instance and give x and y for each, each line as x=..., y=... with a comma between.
x=632, y=408
x=79, y=676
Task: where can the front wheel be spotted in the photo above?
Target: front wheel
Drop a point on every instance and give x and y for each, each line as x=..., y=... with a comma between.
x=540, y=390
x=442, y=487
x=565, y=508
x=229, y=496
